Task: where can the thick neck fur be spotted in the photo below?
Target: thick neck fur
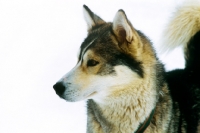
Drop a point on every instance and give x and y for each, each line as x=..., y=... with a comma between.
x=123, y=111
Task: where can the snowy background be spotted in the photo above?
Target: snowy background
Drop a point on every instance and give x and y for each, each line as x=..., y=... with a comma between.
x=39, y=40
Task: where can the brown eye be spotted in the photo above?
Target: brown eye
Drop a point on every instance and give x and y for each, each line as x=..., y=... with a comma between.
x=92, y=62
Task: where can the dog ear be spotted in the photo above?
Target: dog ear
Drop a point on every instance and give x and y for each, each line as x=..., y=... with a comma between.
x=129, y=40
x=122, y=27
x=91, y=18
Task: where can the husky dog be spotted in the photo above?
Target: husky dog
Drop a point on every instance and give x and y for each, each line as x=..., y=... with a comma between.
x=125, y=85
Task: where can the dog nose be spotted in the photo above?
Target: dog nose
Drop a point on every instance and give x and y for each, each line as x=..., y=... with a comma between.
x=59, y=88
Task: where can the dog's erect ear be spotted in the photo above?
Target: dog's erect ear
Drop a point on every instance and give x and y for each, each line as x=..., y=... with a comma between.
x=91, y=18
x=122, y=28
x=129, y=40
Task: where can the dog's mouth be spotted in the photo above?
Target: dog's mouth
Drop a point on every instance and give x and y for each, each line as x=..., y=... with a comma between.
x=92, y=94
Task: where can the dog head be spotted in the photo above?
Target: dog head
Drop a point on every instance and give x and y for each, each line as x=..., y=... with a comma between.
x=112, y=57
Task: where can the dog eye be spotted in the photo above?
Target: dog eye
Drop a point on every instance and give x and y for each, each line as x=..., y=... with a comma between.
x=92, y=63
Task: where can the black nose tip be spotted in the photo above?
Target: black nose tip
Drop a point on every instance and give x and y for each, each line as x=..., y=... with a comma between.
x=59, y=88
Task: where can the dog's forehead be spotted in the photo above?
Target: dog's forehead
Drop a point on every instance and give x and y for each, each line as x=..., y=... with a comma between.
x=97, y=32
x=98, y=38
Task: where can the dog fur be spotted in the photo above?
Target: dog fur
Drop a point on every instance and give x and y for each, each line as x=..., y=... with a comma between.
x=123, y=81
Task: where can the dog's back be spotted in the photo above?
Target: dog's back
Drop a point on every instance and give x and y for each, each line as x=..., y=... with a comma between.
x=184, y=84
